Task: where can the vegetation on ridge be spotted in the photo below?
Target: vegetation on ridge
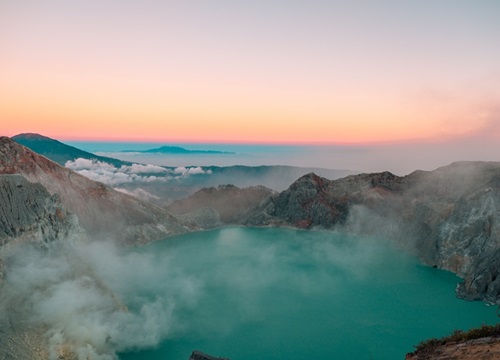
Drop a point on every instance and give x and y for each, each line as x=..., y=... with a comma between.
x=458, y=336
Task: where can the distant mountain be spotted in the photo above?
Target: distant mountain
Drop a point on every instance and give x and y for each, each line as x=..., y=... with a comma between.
x=276, y=177
x=448, y=217
x=58, y=151
x=102, y=211
x=183, y=183
x=178, y=151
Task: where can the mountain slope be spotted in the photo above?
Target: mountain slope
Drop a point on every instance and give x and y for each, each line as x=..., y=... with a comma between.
x=59, y=152
x=227, y=200
x=28, y=215
x=448, y=217
x=102, y=211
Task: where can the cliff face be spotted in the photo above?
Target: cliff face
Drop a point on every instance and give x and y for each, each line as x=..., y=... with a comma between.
x=449, y=217
x=102, y=211
x=28, y=214
x=313, y=201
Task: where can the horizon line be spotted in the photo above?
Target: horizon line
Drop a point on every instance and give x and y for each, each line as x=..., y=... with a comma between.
x=235, y=142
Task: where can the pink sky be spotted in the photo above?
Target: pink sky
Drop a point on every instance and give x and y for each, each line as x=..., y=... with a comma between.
x=261, y=71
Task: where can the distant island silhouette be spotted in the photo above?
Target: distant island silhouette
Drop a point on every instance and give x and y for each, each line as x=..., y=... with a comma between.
x=178, y=150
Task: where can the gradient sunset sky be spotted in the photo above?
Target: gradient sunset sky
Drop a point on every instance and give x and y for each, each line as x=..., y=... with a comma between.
x=273, y=71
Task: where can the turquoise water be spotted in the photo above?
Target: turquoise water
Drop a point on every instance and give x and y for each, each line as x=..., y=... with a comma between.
x=286, y=294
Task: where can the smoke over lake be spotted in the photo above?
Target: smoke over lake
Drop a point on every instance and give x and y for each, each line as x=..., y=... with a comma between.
x=241, y=293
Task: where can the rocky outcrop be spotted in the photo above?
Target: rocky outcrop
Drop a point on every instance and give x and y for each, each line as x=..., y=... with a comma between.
x=228, y=201
x=102, y=211
x=479, y=343
x=198, y=355
x=449, y=217
x=313, y=201
x=28, y=213
x=484, y=349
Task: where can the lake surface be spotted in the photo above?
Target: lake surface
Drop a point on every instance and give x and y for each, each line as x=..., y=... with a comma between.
x=285, y=294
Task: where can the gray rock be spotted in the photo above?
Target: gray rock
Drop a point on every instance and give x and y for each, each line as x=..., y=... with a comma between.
x=198, y=355
x=28, y=213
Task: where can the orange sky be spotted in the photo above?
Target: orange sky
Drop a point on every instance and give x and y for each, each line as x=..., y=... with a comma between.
x=234, y=72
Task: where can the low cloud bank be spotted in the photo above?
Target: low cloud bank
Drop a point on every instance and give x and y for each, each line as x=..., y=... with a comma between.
x=135, y=173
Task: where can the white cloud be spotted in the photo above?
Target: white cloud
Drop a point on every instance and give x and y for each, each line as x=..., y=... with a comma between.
x=191, y=171
x=198, y=170
x=181, y=170
x=145, y=173
x=141, y=169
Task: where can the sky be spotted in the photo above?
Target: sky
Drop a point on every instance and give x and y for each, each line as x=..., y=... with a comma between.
x=234, y=71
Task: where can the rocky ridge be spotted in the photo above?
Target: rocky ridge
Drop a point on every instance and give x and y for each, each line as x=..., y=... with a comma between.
x=102, y=211
x=448, y=217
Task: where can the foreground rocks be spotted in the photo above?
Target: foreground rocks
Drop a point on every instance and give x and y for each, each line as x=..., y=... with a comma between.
x=479, y=343
x=484, y=349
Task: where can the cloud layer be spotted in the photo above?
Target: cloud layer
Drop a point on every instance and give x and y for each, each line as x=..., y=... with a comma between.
x=135, y=173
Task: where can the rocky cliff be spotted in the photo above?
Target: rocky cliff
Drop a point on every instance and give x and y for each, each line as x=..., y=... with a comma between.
x=450, y=217
x=102, y=211
x=28, y=215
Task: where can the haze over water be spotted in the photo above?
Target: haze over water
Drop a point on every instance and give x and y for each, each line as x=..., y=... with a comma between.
x=401, y=159
x=287, y=294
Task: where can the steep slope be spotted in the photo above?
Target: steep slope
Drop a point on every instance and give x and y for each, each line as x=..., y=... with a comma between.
x=28, y=214
x=227, y=200
x=59, y=152
x=449, y=217
x=102, y=211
